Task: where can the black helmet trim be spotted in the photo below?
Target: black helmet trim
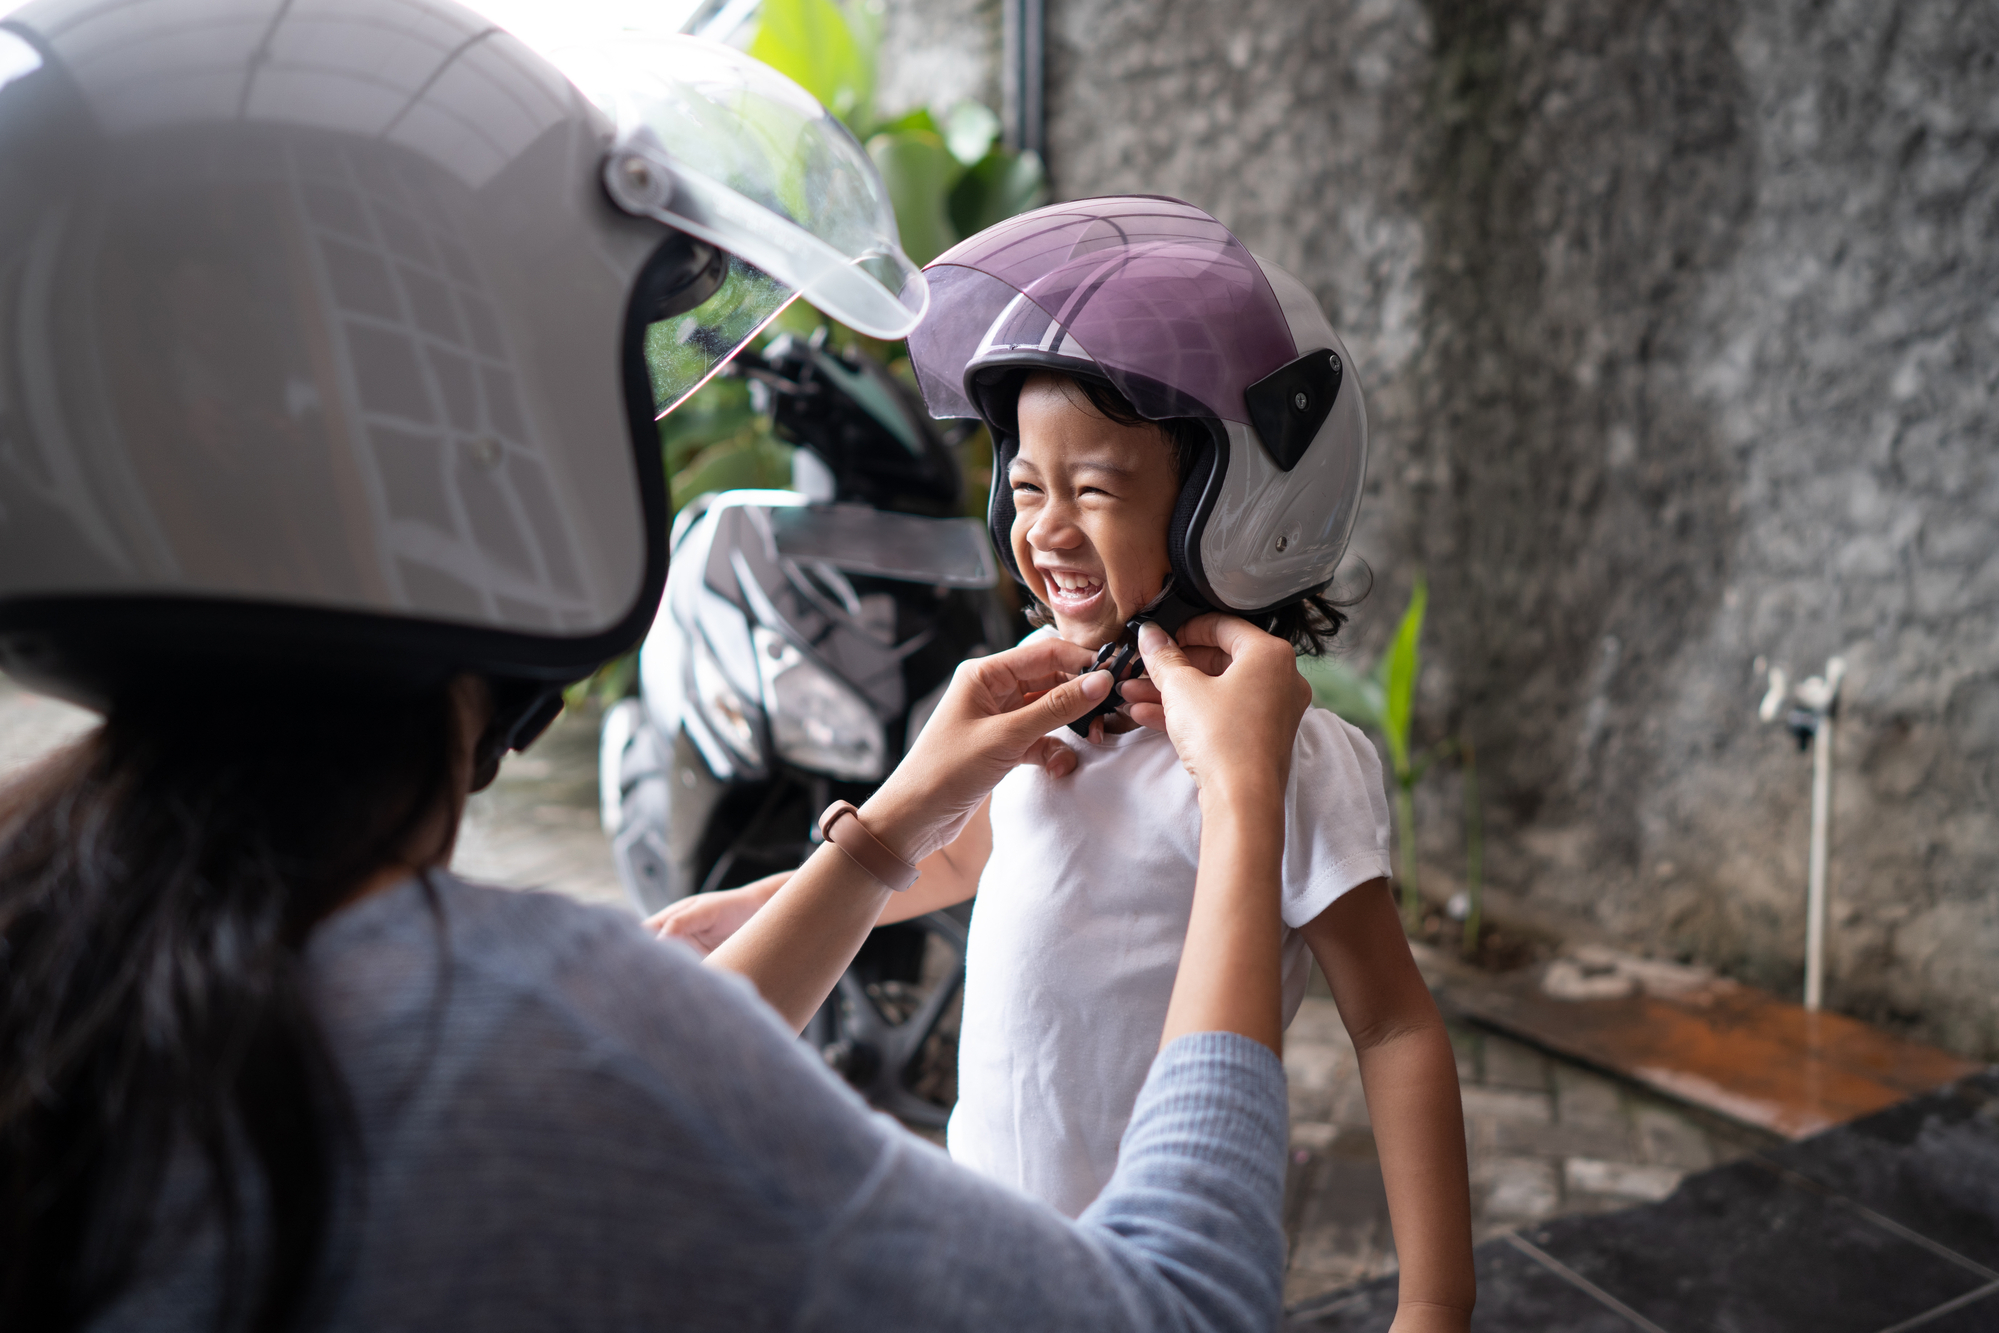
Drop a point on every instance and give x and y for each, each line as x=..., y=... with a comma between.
x=1198, y=490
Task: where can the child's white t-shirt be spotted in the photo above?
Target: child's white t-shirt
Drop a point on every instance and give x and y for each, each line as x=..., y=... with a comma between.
x=1076, y=937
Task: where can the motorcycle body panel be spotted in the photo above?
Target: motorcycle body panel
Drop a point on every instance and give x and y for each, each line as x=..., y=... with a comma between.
x=802, y=642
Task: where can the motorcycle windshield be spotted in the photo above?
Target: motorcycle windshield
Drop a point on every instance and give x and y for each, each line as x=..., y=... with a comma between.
x=1165, y=300
x=744, y=159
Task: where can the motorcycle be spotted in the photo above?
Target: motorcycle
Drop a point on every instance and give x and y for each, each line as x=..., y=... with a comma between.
x=803, y=640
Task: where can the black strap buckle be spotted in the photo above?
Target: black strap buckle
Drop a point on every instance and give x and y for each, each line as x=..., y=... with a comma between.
x=1120, y=656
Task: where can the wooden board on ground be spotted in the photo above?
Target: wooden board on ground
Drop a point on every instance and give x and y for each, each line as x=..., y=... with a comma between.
x=1715, y=1043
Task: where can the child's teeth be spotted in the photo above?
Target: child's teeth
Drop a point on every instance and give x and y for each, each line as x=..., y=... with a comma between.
x=1076, y=582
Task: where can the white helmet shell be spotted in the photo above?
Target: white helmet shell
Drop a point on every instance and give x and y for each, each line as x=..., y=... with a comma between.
x=333, y=334
x=1270, y=535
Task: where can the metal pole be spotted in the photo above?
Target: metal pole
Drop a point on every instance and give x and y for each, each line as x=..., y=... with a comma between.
x=1815, y=894
x=1022, y=57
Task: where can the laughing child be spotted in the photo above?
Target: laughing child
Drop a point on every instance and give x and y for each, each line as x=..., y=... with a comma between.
x=1171, y=436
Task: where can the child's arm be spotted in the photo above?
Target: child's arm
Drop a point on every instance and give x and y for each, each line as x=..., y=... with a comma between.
x=1410, y=1077
x=950, y=875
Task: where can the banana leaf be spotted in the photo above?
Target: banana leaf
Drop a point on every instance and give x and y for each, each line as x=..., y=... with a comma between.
x=813, y=43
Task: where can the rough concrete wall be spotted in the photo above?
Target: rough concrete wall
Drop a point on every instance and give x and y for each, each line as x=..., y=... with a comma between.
x=1677, y=323
x=939, y=52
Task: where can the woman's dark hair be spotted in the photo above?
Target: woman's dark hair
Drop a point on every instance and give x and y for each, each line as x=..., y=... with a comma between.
x=158, y=882
x=1307, y=624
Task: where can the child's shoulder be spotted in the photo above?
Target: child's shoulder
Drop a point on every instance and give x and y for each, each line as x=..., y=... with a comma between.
x=1328, y=745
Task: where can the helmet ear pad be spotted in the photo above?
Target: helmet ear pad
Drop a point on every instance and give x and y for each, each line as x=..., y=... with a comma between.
x=1198, y=489
x=996, y=393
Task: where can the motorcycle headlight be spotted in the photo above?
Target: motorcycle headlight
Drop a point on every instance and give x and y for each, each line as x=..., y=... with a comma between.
x=725, y=711
x=815, y=721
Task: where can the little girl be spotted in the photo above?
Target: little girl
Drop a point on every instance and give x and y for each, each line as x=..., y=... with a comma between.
x=1174, y=432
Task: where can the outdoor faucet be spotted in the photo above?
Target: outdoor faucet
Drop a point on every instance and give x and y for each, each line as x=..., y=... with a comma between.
x=1814, y=704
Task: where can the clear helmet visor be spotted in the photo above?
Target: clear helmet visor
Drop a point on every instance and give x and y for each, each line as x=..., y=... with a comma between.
x=1161, y=298
x=731, y=152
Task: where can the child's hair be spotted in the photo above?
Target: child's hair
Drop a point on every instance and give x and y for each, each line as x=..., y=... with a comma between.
x=1308, y=624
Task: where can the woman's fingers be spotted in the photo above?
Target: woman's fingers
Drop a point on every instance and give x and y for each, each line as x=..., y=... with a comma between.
x=983, y=727
x=1162, y=654
x=1211, y=660
x=1062, y=704
x=1139, y=691
x=1228, y=637
x=1239, y=724
x=1021, y=674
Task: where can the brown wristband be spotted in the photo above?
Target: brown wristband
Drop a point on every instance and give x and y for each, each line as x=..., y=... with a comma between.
x=852, y=837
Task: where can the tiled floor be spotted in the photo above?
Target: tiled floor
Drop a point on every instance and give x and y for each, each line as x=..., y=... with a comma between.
x=1547, y=1139
x=1886, y=1224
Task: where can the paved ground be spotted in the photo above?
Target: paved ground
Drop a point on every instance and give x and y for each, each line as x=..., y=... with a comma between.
x=537, y=826
x=1547, y=1139
x=1885, y=1225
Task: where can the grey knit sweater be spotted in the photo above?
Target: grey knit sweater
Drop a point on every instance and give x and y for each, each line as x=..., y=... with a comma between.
x=568, y=1124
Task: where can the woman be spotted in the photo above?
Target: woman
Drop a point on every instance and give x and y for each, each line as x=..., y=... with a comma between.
x=281, y=1068
x=337, y=335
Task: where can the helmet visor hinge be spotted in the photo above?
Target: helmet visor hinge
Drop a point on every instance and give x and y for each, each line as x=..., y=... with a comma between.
x=1288, y=406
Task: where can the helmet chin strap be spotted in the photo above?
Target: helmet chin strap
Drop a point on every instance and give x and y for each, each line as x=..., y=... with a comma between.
x=1169, y=610
x=521, y=712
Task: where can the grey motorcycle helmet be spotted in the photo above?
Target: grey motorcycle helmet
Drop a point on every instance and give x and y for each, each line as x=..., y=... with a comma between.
x=1159, y=300
x=333, y=334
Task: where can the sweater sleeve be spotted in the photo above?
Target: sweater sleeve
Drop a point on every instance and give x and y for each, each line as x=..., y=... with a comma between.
x=1187, y=1235
x=860, y=1225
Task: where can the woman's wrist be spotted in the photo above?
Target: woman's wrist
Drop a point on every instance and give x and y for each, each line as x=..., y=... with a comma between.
x=899, y=822
x=1248, y=794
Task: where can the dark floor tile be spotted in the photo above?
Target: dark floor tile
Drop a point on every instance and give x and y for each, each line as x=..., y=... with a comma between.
x=1931, y=1164
x=1518, y=1295
x=1741, y=1248
x=1515, y=1295
x=1368, y=1308
x=1979, y=1316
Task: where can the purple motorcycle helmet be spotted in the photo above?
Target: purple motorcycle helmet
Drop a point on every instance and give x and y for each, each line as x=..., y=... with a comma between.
x=1160, y=301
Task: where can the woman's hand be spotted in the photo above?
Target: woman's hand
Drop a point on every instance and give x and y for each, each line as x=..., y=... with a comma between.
x=1229, y=696
x=1233, y=718
x=996, y=715
x=704, y=920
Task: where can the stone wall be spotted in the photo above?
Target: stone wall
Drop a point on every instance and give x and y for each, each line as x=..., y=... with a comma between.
x=1679, y=325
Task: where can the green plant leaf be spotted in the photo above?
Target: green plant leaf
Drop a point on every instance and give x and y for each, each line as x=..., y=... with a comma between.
x=718, y=410
x=919, y=172
x=970, y=130
x=1403, y=664
x=919, y=119
x=751, y=460
x=1338, y=687
x=996, y=187
x=812, y=43
x=607, y=684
